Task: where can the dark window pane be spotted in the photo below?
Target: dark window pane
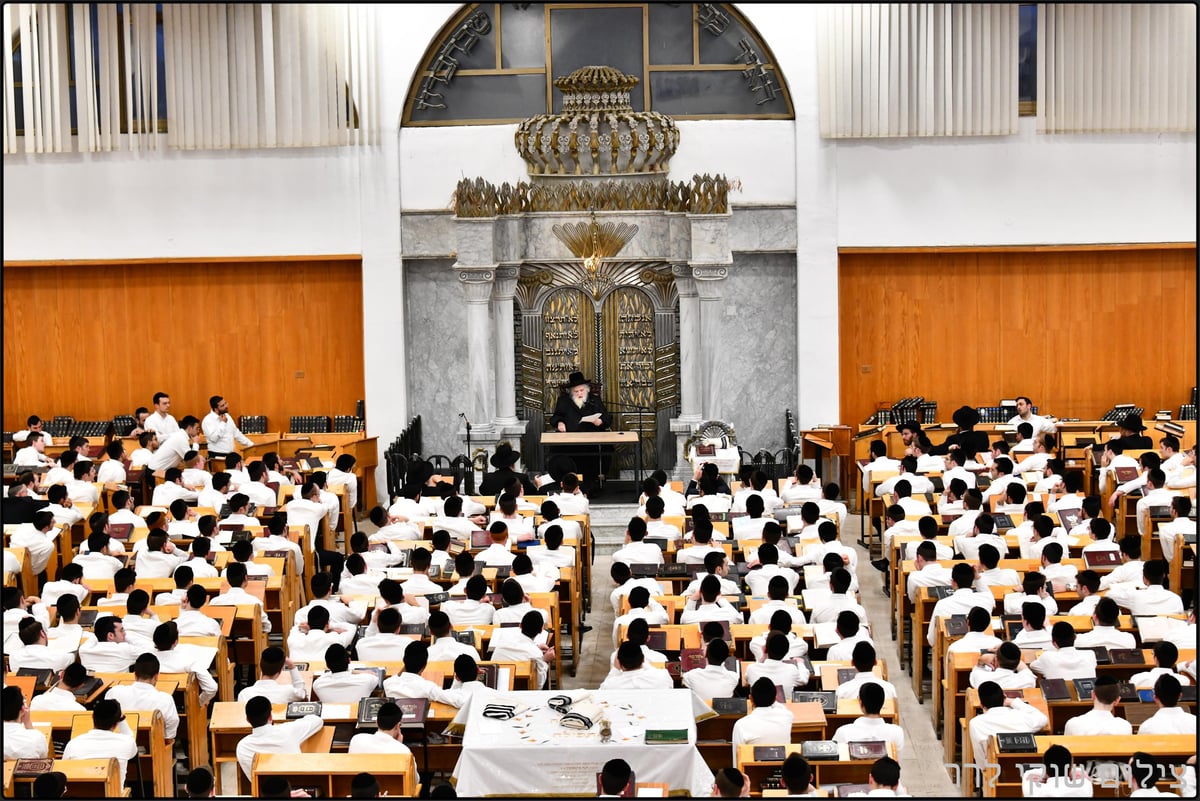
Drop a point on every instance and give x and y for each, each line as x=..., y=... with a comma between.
x=1027, y=58
x=725, y=49
x=715, y=92
x=670, y=33
x=482, y=46
x=161, y=70
x=523, y=36
x=583, y=37
x=484, y=97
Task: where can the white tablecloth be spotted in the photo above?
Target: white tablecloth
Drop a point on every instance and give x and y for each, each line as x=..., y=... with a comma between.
x=533, y=754
x=727, y=460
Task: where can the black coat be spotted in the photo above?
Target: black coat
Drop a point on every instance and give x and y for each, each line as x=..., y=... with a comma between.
x=970, y=442
x=495, y=482
x=565, y=411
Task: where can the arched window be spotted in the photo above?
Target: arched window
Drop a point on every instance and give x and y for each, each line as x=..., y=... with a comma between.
x=497, y=62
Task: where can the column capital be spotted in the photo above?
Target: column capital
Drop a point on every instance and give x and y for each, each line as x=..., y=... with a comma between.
x=684, y=282
x=710, y=280
x=505, y=284
x=476, y=283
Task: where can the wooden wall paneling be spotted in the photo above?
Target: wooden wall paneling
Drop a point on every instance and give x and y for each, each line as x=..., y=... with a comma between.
x=1077, y=330
x=104, y=337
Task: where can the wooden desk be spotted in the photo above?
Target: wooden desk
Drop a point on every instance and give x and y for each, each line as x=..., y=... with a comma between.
x=332, y=773
x=598, y=439
x=843, y=771
x=86, y=778
x=1004, y=780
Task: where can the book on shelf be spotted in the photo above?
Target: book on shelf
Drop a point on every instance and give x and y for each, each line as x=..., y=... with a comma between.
x=1103, y=657
x=41, y=677
x=1014, y=693
x=1125, y=474
x=956, y=625
x=1127, y=656
x=368, y=711
x=730, y=706
x=845, y=674
x=940, y=591
x=1055, y=690
x=29, y=768
x=464, y=637
x=827, y=699
x=692, y=659
x=413, y=710
x=867, y=749
x=119, y=531
x=1016, y=742
x=819, y=750
x=656, y=640
x=298, y=709
x=1128, y=693
x=1083, y=688
x=666, y=736
x=770, y=753
x=488, y=675
x=1003, y=521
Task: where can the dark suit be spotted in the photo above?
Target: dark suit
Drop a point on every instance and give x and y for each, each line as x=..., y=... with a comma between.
x=970, y=442
x=495, y=482
x=571, y=416
x=22, y=510
x=1135, y=442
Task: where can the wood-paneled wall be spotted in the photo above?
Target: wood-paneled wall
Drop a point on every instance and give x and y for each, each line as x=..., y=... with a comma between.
x=1076, y=329
x=276, y=337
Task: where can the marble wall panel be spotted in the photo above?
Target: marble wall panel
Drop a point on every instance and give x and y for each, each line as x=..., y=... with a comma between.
x=436, y=321
x=763, y=229
x=756, y=348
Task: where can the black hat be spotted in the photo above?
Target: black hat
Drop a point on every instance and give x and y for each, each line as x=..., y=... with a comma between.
x=505, y=456
x=965, y=417
x=1132, y=422
x=576, y=379
x=419, y=472
x=559, y=465
x=910, y=425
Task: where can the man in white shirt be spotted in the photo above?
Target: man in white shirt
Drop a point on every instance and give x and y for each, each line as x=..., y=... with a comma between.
x=1106, y=695
x=144, y=694
x=1179, y=527
x=964, y=597
x=1001, y=714
x=636, y=550
x=256, y=489
x=1001, y=475
x=1053, y=568
x=61, y=698
x=33, y=454
x=715, y=564
x=445, y=648
x=192, y=622
x=918, y=484
x=552, y=552
x=701, y=536
x=388, y=529
x=265, y=738
x=21, y=739
x=641, y=607
x=712, y=680
x=271, y=664
x=35, y=430
x=160, y=558
x=1087, y=583
x=220, y=431
x=104, y=740
x=387, y=737
x=198, y=562
x=1165, y=657
x=757, y=579
x=339, y=685
x=342, y=475
x=385, y=644
x=172, y=489
x=61, y=507
x=81, y=489
x=1170, y=718
x=1033, y=588
x=160, y=421
x=777, y=595
x=863, y=659
x=928, y=572
x=983, y=532
x=194, y=475
x=766, y=723
x=955, y=460
x=473, y=610
x=1065, y=661
x=309, y=640
x=108, y=652
x=786, y=674
x=852, y=632
x=990, y=573
x=1152, y=598
x=36, y=653
x=1104, y=631
x=1025, y=415
x=1033, y=634
x=633, y=673
x=624, y=581
x=871, y=726
x=497, y=554
x=37, y=538
x=979, y=636
x=839, y=600
x=175, y=445
x=235, y=576
x=710, y=605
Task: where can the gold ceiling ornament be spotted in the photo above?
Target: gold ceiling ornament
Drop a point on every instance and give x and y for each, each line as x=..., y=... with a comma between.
x=593, y=243
x=706, y=194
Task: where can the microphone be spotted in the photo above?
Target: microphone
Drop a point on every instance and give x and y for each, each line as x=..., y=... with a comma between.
x=463, y=415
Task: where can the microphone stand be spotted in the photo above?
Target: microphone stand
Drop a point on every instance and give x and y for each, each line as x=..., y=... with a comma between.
x=471, y=484
x=640, y=430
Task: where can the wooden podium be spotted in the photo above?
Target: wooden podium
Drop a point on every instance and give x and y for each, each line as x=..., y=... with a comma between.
x=831, y=441
x=597, y=439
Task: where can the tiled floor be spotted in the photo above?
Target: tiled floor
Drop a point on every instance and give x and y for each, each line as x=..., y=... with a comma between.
x=921, y=762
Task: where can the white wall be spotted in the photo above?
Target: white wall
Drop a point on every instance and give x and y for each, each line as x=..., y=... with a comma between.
x=982, y=191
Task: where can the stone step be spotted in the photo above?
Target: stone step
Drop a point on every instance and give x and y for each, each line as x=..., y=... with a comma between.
x=608, y=521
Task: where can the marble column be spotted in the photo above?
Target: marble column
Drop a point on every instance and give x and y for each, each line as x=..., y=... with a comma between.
x=477, y=291
x=503, y=289
x=689, y=343
x=710, y=286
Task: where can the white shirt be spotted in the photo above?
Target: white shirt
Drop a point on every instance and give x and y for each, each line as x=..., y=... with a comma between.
x=785, y=674
x=345, y=687
x=23, y=743
x=644, y=678
x=1033, y=639
x=86, y=492
x=141, y=695
x=108, y=657
x=169, y=491
x=160, y=424
x=56, y=699
x=710, y=681
x=193, y=623
x=1020, y=717
x=29, y=457
x=1147, y=677
x=467, y=612
x=447, y=649
x=411, y=685
x=97, y=744
x=382, y=647
x=1147, y=601
x=236, y=596
x=865, y=728
x=110, y=471
x=220, y=434
x=259, y=494
x=757, y=580
x=39, y=546
x=1013, y=602
x=828, y=611
x=959, y=602
x=157, y=564
x=763, y=725
x=170, y=451
x=997, y=577
x=276, y=692
x=975, y=642
x=843, y=651
x=850, y=688
x=1107, y=637
x=930, y=575
x=762, y=615
x=311, y=645
x=1034, y=786
x=639, y=553
x=280, y=738
x=1169, y=720
x=1097, y=721
x=943, y=551
x=39, y=657
x=694, y=554
x=377, y=742
x=1065, y=663
x=620, y=592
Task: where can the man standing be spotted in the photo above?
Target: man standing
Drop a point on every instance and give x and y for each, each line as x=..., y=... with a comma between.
x=578, y=411
x=220, y=431
x=160, y=421
x=1025, y=415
